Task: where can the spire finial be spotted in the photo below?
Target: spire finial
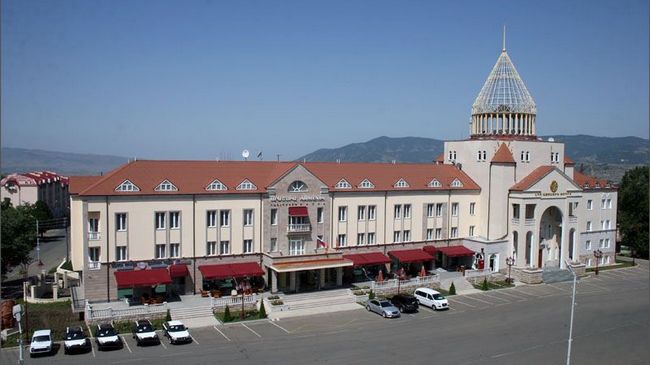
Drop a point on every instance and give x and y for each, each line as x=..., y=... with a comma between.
x=504, y=38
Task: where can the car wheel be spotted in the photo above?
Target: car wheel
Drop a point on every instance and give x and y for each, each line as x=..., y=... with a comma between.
x=401, y=309
x=384, y=314
x=368, y=308
x=65, y=350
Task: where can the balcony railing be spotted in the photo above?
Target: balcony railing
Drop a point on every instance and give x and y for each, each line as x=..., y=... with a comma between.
x=94, y=236
x=94, y=265
x=298, y=228
x=529, y=222
x=515, y=220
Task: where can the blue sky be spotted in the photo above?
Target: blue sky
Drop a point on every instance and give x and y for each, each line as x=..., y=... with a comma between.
x=206, y=79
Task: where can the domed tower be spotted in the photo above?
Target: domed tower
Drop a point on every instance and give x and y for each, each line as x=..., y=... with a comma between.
x=504, y=106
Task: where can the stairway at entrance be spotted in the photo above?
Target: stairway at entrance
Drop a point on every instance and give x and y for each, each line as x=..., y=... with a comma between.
x=552, y=274
x=325, y=301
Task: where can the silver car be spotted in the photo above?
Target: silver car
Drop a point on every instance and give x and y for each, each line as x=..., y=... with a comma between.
x=383, y=308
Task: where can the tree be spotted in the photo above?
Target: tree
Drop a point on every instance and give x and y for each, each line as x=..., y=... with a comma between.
x=262, y=312
x=633, y=210
x=227, y=317
x=18, y=235
x=452, y=289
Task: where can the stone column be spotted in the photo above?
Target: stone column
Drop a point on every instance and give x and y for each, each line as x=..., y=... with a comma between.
x=339, y=276
x=292, y=281
x=274, y=281
x=322, y=278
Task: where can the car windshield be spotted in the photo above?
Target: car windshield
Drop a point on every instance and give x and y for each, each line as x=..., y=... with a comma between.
x=145, y=327
x=105, y=332
x=438, y=297
x=386, y=304
x=74, y=335
x=176, y=328
x=43, y=338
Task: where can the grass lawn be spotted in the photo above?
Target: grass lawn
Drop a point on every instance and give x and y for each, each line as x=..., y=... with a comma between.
x=491, y=285
x=619, y=264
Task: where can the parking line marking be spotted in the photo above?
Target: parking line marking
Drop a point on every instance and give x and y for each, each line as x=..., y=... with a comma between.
x=479, y=300
x=163, y=344
x=250, y=329
x=194, y=339
x=280, y=327
x=513, y=296
x=223, y=334
x=92, y=348
x=461, y=302
x=493, y=296
x=126, y=343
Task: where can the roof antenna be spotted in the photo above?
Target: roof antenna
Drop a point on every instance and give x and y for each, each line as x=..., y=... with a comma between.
x=504, y=38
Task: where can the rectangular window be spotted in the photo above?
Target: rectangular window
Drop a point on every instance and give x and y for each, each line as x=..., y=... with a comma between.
x=590, y=204
x=602, y=225
x=274, y=244
x=160, y=251
x=274, y=217
x=371, y=238
x=609, y=203
x=601, y=243
x=588, y=226
x=211, y=218
x=472, y=208
x=224, y=218
x=174, y=220
x=429, y=210
x=398, y=211
x=174, y=250
x=397, y=236
x=296, y=247
x=361, y=238
x=93, y=225
x=439, y=210
x=319, y=215
x=120, y=253
x=160, y=220
x=248, y=217
x=608, y=224
x=372, y=210
x=454, y=232
x=515, y=211
x=454, y=209
x=530, y=211
x=248, y=246
x=343, y=240
x=94, y=254
x=602, y=204
x=471, y=231
x=588, y=245
x=407, y=210
x=224, y=247
x=429, y=234
x=406, y=236
x=438, y=233
x=211, y=248
x=120, y=222
x=361, y=212
x=606, y=242
x=343, y=214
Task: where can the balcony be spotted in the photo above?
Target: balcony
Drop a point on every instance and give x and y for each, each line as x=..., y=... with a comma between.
x=94, y=236
x=299, y=228
x=515, y=220
x=94, y=265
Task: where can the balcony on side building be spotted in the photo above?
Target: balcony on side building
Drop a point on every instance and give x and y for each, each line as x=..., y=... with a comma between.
x=299, y=228
x=94, y=236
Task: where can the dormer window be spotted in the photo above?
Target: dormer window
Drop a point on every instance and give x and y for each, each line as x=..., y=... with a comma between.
x=456, y=184
x=343, y=184
x=366, y=184
x=166, y=185
x=435, y=183
x=297, y=187
x=216, y=185
x=246, y=185
x=127, y=186
x=401, y=184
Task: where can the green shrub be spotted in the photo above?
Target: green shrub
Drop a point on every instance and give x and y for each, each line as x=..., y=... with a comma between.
x=227, y=317
x=168, y=316
x=262, y=311
x=452, y=289
x=273, y=297
x=371, y=295
x=122, y=326
x=277, y=302
x=485, y=286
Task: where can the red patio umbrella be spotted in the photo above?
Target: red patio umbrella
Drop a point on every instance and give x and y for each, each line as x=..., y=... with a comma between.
x=423, y=272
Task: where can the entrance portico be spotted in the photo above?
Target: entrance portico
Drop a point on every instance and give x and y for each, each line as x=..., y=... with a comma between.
x=301, y=276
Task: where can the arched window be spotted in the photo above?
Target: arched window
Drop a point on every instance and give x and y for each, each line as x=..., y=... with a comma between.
x=297, y=187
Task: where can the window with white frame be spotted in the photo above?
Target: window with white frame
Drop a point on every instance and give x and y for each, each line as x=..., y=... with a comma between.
x=607, y=260
x=366, y=184
x=372, y=212
x=248, y=246
x=456, y=184
x=343, y=184
x=216, y=185
x=120, y=222
x=590, y=204
x=481, y=156
x=438, y=233
x=438, y=209
x=608, y=224
x=160, y=220
x=174, y=250
x=407, y=211
x=93, y=225
x=297, y=187
x=361, y=213
x=371, y=238
x=127, y=186
x=361, y=239
x=224, y=247
x=342, y=240
x=120, y=253
x=274, y=244
x=435, y=184
x=588, y=245
x=343, y=214
x=603, y=203
x=296, y=247
x=94, y=254
x=224, y=218
x=319, y=215
x=397, y=236
x=246, y=185
x=430, y=208
x=602, y=225
x=397, y=211
x=161, y=251
x=589, y=226
x=248, y=217
x=166, y=185
x=211, y=248
x=454, y=232
x=274, y=217
x=401, y=183
x=555, y=157
x=454, y=209
x=471, y=231
x=515, y=211
x=609, y=203
x=211, y=218
x=527, y=156
x=452, y=155
x=429, y=234
x=174, y=220
x=601, y=243
x=472, y=208
x=406, y=236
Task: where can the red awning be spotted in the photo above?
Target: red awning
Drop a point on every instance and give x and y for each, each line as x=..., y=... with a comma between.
x=431, y=250
x=298, y=212
x=456, y=251
x=135, y=278
x=415, y=255
x=227, y=271
x=178, y=271
x=369, y=258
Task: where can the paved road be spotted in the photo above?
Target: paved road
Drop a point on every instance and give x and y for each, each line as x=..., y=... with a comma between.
x=53, y=249
x=523, y=325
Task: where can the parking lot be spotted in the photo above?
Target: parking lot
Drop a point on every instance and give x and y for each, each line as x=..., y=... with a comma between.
x=357, y=332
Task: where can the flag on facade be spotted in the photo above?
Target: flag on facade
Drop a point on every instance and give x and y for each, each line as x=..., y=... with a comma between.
x=320, y=243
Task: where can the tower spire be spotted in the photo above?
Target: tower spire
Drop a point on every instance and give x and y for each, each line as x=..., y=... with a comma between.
x=504, y=38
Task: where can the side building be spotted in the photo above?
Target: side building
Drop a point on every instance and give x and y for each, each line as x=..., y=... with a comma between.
x=30, y=187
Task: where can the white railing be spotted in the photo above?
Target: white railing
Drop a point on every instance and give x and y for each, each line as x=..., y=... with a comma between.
x=232, y=301
x=515, y=220
x=477, y=273
x=392, y=283
x=110, y=313
x=94, y=265
x=94, y=236
x=302, y=227
x=529, y=222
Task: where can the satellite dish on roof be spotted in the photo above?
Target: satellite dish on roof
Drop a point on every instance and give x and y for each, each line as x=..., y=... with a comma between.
x=245, y=154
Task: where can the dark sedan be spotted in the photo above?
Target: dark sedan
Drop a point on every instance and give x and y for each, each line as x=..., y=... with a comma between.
x=405, y=302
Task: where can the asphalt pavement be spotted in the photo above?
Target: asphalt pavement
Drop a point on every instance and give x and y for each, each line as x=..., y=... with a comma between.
x=521, y=325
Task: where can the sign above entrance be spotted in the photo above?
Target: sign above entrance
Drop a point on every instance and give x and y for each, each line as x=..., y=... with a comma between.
x=301, y=198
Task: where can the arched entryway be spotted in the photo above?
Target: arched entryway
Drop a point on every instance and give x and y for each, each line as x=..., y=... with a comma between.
x=515, y=246
x=494, y=262
x=550, y=237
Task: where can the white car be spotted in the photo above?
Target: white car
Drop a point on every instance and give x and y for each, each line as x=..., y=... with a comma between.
x=41, y=342
x=144, y=333
x=177, y=332
x=75, y=340
x=107, y=337
x=431, y=298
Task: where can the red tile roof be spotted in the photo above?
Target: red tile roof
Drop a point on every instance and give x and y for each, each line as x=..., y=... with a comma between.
x=568, y=161
x=79, y=183
x=503, y=155
x=192, y=177
x=34, y=178
x=440, y=158
x=589, y=182
x=532, y=178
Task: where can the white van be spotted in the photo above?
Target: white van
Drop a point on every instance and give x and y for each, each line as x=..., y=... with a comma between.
x=431, y=298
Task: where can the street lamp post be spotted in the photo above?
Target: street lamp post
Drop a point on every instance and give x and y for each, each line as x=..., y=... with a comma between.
x=597, y=254
x=573, y=305
x=510, y=261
